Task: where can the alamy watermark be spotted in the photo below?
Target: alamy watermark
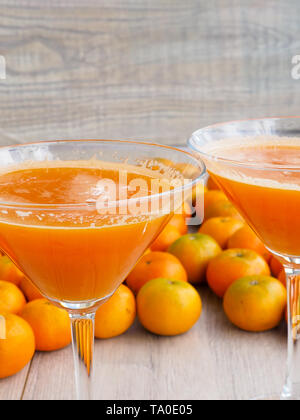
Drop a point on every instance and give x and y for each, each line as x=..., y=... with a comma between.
x=2, y=68
x=296, y=67
x=137, y=196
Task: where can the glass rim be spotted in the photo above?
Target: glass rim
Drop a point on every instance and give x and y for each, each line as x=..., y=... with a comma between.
x=31, y=206
x=193, y=144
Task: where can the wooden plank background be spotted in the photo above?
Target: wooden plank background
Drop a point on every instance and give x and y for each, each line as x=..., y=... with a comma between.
x=144, y=69
x=156, y=70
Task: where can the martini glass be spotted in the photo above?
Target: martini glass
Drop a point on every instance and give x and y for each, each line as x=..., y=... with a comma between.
x=257, y=165
x=75, y=216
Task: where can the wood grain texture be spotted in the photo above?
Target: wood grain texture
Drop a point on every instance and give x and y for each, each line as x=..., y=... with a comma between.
x=142, y=69
x=157, y=70
x=213, y=361
x=12, y=388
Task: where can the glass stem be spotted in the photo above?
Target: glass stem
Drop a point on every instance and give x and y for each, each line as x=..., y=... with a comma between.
x=83, y=327
x=291, y=390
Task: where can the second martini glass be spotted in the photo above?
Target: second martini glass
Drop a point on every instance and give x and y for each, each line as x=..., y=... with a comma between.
x=75, y=216
x=257, y=164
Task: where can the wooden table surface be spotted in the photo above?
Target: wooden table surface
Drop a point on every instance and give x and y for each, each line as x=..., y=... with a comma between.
x=156, y=70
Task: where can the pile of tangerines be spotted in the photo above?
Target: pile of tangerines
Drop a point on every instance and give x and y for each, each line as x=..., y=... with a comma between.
x=162, y=289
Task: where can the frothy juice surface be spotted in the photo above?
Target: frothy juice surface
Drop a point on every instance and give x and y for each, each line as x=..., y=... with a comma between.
x=60, y=240
x=267, y=191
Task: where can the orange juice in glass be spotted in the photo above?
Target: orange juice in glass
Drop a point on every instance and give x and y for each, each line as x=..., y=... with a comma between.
x=75, y=216
x=275, y=200
x=257, y=165
x=79, y=255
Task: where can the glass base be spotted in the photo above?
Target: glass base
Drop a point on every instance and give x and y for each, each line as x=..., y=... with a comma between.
x=286, y=395
x=269, y=398
x=274, y=398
